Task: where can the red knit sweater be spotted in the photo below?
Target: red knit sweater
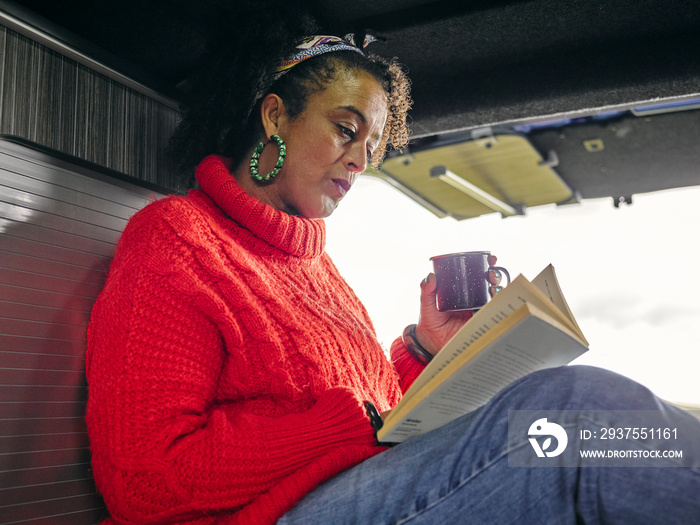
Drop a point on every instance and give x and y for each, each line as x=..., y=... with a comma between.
x=228, y=362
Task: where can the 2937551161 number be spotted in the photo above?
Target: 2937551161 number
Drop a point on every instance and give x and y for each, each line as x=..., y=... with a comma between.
x=635, y=433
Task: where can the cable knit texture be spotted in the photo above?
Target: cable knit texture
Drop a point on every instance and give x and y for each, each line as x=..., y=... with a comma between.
x=228, y=362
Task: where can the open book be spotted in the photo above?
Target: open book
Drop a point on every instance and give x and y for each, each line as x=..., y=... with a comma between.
x=526, y=327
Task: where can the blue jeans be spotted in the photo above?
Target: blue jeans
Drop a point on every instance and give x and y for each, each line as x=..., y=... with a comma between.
x=459, y=473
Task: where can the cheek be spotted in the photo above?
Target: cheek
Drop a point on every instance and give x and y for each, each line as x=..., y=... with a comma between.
x=323, y=151
x=313, y=151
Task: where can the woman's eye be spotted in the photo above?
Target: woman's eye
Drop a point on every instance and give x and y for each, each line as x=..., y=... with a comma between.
x=346, y=131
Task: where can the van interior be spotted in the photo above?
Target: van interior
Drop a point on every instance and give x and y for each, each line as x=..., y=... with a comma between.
x=517, y=104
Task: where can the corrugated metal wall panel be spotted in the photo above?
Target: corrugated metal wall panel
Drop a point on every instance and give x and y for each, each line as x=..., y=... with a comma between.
x=56, y=238
x=59, y=223
x=49, y=252
x=54, y=101
x=40, y=282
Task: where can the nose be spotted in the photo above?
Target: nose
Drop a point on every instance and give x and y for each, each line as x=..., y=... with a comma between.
x=356, y=157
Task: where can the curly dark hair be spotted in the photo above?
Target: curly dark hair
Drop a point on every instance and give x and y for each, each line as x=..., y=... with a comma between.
x=216, y=109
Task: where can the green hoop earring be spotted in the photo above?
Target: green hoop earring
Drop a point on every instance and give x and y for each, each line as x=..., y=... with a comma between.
x=256, y=158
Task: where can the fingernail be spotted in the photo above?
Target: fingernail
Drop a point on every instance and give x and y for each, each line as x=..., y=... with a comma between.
x=493, y=290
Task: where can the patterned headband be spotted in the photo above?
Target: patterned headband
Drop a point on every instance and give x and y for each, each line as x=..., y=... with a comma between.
x=308, y=48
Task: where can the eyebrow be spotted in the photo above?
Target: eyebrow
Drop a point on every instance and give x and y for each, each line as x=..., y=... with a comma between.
x=362, y=118
x=356, y=112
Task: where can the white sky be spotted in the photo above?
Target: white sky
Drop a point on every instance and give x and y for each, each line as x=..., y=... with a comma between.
x=629, y=274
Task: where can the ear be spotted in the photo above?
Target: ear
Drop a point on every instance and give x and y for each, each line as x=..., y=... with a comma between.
x=271, y=111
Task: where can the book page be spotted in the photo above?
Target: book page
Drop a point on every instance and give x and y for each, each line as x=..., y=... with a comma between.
x=547, y=282
x=533, y=343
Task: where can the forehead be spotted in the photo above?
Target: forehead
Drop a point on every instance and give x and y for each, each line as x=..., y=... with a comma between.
x=355, y=91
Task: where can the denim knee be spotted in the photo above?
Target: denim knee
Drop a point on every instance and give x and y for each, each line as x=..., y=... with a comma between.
x=578, y=387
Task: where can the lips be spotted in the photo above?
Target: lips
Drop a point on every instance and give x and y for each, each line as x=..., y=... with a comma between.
x=342, y=185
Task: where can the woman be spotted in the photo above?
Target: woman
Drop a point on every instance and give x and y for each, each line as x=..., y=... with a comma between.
x=233, y=374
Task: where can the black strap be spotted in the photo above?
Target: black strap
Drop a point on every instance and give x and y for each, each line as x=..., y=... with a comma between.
x=374, y=418
x=414, y=347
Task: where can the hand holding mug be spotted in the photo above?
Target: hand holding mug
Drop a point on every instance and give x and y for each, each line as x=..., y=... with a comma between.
x=461, y=283
x=434, y=327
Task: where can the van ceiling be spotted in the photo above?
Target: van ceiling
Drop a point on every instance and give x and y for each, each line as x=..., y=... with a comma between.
x=499, y=64
x=472, y=63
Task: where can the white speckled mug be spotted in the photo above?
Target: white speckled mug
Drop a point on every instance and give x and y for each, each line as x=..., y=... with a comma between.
x=466, y=280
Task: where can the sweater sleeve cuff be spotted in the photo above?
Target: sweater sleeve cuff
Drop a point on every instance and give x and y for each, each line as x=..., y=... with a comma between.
x=406, y=365
x=337, y=418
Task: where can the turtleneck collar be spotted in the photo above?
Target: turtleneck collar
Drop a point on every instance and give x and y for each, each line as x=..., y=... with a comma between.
x=296, y=236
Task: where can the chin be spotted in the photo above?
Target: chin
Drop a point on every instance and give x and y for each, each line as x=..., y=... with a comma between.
x=323, y=211
x=318, y=215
